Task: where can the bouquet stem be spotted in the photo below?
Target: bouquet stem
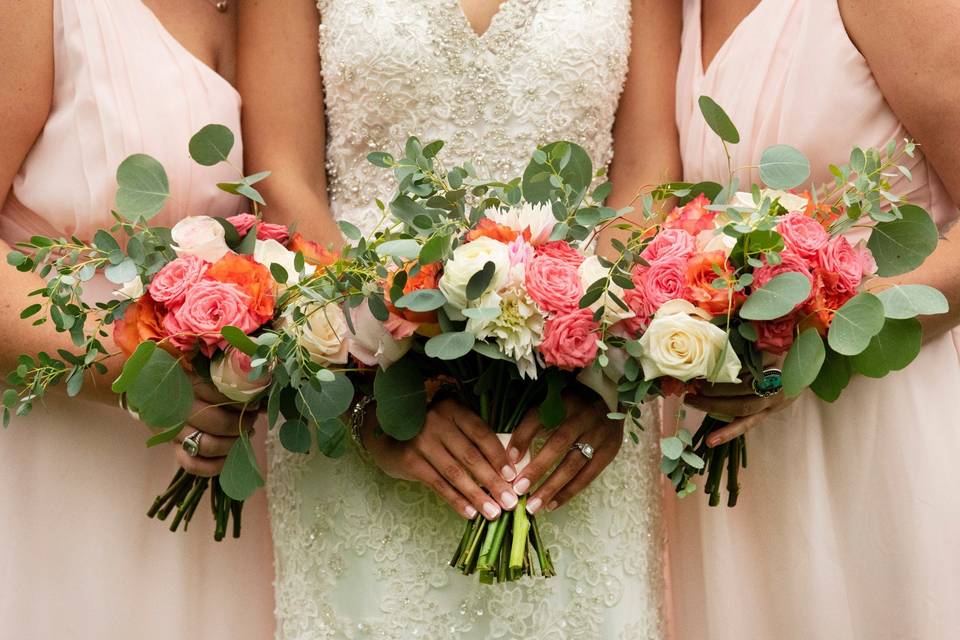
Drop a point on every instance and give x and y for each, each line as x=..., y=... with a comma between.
x=731, y=456
x=184, y=494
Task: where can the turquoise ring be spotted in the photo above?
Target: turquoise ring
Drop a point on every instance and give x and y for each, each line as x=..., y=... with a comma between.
x=770, y=384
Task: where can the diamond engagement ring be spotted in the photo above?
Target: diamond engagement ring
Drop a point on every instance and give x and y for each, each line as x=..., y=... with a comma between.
x=191, y=444
x=585, y=449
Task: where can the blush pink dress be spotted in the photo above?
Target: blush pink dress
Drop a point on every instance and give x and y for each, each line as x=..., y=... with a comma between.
x=78, y=556
x=849, y=520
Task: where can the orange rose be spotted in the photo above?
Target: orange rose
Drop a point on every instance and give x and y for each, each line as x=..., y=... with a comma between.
x=140, y=323
x=821, y=211
x=700, y=290
x=490, y=229
x=426, y=278
x=253, y=278
x=313, y=252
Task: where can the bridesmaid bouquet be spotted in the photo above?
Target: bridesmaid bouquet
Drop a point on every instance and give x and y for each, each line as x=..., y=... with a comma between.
x=730, y=280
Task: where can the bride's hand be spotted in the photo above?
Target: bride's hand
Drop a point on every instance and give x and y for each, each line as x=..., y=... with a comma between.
x=738, y=401
x=587, y=424
x=457, y=455
x=219, y=420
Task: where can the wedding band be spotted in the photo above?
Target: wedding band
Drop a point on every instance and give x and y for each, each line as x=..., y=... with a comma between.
x=770, y=385
x=191, y=444
x=586, y=449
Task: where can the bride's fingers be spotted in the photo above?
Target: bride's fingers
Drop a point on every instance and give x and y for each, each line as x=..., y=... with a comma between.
x=198, y=466
x=476, y=464
x=555, y=448
x=211, y=446
x=485, y=442
x=219, y=421
x=440, y=459
x=429, y=476
x=563, y=474
x=523, y=435
x=734, y=406
x=736, y=428
x=604, y=453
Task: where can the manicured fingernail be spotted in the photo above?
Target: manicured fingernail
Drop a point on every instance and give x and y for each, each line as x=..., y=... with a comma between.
x=514, y=454
x=522, y=486
x=470, y=512
x=553, y=505
x=714, y=441
x=508, y=473
x=534, y=505
x=508, y=499
x=491, y=510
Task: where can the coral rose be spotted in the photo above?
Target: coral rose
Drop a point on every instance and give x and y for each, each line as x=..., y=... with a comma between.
x=840, y=265
x=636, y=299
x=426, y=277
x=693, y=217
x=562, y=250
x=669, y=243
x=253, y=279
x=313, y=252
x=208, y=307
x=701, y=272
x=802, y=234
x=570, y=340
x=663, y=281
x=776, y=336
x=487, y=228
x=554, y=284
x=141, y=322
x=172, y=282
x=243, y=222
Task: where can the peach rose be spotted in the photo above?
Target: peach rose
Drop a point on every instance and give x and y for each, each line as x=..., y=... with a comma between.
x=700, y=290
x=669, y=243
x=313, y=252
x=554, y=285
x=141, y=322
x=570, y=340
x=208, y=307
x=172, y=282
x=802, y=234
x=252, y=278
x=562, y=250
x=693, y=217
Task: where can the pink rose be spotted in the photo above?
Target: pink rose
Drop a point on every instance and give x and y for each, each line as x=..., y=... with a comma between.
x=636, y=299
x=789, y=262
x=840, y=265
x=561, y=250
x=570, y=340
x=371, y=342
x=172, y=282
x=693, y=217
x=776, y=336
x=208, y=307
x=663, y=281
x=554, y=284
x=867, y=261
x=243, y=222
x=802, y=234
x=670, y=243
x=399, y=327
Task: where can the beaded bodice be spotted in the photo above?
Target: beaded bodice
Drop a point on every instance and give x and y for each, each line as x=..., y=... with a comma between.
x=361, y=555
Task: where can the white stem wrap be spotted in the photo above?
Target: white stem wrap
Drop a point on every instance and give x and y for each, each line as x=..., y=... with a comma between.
x=524, y=461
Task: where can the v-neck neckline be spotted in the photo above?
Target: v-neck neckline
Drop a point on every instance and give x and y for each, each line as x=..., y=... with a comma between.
x=495, y=19
x=706, y=68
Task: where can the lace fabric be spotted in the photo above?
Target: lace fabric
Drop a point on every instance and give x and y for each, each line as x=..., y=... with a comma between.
x=359, y=554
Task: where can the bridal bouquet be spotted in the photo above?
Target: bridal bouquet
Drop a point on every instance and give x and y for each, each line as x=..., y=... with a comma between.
x=214, y=299
x=730, y=281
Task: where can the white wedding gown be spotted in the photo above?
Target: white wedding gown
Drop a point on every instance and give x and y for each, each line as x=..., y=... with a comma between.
x=361, y=555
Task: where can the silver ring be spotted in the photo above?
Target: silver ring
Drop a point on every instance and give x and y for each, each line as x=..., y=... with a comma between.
x=770, y=384
x=191, y=444
x=586, y=449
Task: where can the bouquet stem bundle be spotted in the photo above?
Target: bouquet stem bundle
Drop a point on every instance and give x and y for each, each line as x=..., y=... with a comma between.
x=730, y=455
x=184, y=494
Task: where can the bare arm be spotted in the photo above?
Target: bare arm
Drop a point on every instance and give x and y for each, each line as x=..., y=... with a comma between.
x=645, y=141
x=911, y=49
x=283, y=116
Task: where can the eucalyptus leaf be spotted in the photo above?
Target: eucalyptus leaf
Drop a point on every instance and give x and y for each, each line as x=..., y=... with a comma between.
x=161, y=393
x=211, y=145
x=672, y=447
x=902, y=245
x=783, y=167
x=121, y=273
x=803, y=362
x=911, y=300
x=777, y=298
x=142, y=188
x=406, y=249
x=321, y=401
x=855, y=323
x=450, y=346
x=132, y=367
x=401, y=399
x=295, y=436
x=238, y=339
x=833, y=378
x=896, y=346
x=718, y=120
x=479, y=281
x=240, y=477
x=422, y=300
x=332, y=438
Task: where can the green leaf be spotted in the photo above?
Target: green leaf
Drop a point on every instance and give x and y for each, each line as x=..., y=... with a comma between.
x=783, y=167
x=166, y=435
x=672, y=447
x=121, y=273
x=422, y=300
x=553, y=411
x=577, y=173
x=32, y=310
x=489, y=350
x=142, y=188
x=161, y=393
x=693, y=460
x=238, y=339
x=479, y=281
x=406, y=249
x=350, y=231
x=211, y=145
x=718, y=120
x=803, y=362
x=896, y=346
x=105, y=242
x=133, y=366
x=75, y=382
x=10, y=398
x=381, y=159
x=279, y=273
x=833, y=378
x=910, y=300
x=295, y=436
x=378, y=307
x=321, y=401
x=902, y=245
x=777, y=298
x=249, y=242
x=450, y=346
x=240, y=477
x=434, y=249
x=855, y=323
x=401, y=399
x=16, y=258
x=332, y=438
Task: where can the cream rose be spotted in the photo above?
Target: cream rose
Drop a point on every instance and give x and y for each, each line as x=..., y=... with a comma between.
x=324, y=333
x=268, y=252
x=789, y=201
x=681, y=343
x=467, y=260
x=372, y=343
x=590, y=271
x=230, y=374
x=131, y=290
x=199, y=236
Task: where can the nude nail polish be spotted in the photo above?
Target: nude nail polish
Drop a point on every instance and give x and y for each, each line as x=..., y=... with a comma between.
x=508, y=499
x=491, y=511
x=552, y=506
x=470, y=512
x=514, y=454
x=534, y=505
x=508, y=473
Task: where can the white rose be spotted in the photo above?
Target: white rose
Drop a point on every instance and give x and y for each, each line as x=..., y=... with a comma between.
x=230, y=374
x=324, y=333
x=268, y=252
x=467, y=260
x=537, y=218
x=590, y=271
x=371, y=343
x=131, y=290
x=789, y=201
x=199, y=236
x=681, y=343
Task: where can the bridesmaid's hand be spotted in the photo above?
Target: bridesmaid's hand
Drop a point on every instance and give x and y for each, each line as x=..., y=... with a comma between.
x=220, y=420
x=738, y=401
x=457, y=455
x=586, y=423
